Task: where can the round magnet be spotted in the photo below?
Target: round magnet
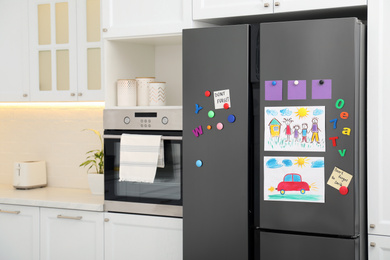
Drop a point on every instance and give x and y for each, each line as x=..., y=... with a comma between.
x=211, y=114
x=321, y=82
x=273, y=83
x=207, y=93
x=219, y=126
x=209, y=127
x=231, y=118
x=343, y=190
x=226, y=106
x=296, y=82
x=199, y=163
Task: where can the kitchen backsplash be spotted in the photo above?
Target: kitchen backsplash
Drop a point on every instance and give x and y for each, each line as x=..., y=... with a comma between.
x=50, y=132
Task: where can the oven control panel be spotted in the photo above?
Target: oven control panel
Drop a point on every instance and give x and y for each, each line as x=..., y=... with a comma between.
x=169, y=118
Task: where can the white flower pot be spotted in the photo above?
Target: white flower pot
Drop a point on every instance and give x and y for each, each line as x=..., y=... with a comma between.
x=96, y=183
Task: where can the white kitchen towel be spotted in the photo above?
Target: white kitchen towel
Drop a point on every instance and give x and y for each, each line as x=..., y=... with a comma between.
x=138, y=157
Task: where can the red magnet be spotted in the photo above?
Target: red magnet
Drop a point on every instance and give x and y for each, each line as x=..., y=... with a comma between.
x=207, y=93
x=343, y=190
x=226, y=106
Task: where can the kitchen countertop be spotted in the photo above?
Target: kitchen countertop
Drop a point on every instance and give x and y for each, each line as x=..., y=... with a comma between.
x=51, y=197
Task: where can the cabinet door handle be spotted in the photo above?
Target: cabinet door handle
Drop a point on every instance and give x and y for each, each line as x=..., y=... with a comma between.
x=80, y=94
x=104, y=29
x=277, y=3
x=266, y=4
x=372, y=244
x=72, y=94
x=10, y=212
x=69, y=217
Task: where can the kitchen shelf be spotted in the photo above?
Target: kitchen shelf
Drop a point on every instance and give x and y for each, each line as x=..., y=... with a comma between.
x=155, y=56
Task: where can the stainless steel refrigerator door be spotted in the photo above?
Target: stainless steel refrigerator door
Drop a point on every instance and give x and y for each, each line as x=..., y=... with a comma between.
x=323, y=58
x=215, y=160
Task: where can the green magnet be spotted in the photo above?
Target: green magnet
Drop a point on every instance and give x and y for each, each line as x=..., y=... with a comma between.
x=211, y=114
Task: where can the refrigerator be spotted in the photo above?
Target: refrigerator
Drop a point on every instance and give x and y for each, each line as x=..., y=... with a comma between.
x=274, y=141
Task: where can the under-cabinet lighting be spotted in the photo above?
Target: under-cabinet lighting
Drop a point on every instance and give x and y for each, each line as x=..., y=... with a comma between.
x=53, y=104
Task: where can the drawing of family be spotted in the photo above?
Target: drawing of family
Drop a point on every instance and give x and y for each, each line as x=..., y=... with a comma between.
x=295, y=130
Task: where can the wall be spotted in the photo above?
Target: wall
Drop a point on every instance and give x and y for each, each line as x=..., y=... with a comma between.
x=52, y=132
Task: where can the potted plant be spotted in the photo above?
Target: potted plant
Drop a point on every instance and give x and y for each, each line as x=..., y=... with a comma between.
x=95, y=161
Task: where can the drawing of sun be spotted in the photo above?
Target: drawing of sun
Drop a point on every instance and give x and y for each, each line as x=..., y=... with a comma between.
x=302, y=112
x=301, y=161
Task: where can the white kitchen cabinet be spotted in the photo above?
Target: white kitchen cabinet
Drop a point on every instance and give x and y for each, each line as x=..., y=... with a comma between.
x=139, y=237
x=65, y=50
x=71, y=234
x=207, y=9
x=281, y=6
x=154, y=56
x=19, y=232
x=14, y=71
x=378, y=247
x=125, y=18
x=378, y=105
x=212, y=9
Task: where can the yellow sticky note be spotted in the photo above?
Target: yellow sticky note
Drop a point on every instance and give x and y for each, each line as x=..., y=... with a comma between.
x=339, y=178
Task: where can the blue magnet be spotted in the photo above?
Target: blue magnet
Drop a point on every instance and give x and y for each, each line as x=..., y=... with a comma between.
x=231, y=118
x=273, y=83
x=197, y=108
x=199, y=163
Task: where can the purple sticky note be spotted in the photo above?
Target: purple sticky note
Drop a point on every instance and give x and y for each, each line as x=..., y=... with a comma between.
x=274, y=90
x=296, y=89
x=321, y=89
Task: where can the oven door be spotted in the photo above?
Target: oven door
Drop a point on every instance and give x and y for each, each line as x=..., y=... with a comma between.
x=162, y=197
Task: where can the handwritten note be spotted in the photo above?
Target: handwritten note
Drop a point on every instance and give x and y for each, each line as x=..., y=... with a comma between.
x=221, y=97
x=339, y=178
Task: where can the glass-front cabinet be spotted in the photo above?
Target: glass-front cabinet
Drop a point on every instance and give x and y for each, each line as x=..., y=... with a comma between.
x=65, y=50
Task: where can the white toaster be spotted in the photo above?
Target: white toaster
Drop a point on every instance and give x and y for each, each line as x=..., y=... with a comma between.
x=30, y=174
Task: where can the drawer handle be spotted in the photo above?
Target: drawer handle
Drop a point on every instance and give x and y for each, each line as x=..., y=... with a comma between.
x=69, y=217
x=10, y=212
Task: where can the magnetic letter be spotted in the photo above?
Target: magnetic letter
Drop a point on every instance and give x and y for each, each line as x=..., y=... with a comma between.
x=346, y=131
x=198, y=131
x=197, y=108
x=344, y=115
x=334, y=121
x=334, y=140
x=342, y=153
x=340, y=103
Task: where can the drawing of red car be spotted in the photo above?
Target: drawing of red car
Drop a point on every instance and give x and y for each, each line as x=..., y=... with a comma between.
x=293, y=182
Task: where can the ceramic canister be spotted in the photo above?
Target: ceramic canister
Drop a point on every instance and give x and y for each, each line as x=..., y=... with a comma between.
x=127, y=92
x=157, y=94
x=142, y=89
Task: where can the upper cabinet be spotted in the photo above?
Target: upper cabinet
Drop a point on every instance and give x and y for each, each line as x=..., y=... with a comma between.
x=14, y=51
x=206, y=9
x=65, y=50
x=305, y=5
x=210, y=9
x=127, y=18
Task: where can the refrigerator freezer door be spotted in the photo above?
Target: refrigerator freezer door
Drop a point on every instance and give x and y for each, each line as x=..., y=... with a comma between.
x=278, y=246
x=312, y=147
x=215, y=143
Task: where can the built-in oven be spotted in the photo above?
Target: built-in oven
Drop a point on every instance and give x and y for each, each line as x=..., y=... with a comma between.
x=161, y=197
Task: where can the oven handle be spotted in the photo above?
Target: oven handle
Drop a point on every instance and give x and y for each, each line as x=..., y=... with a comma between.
x=162, y=137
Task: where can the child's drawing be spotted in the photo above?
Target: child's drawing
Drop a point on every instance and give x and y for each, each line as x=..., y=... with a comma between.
x=294, y=129
x=294, y=179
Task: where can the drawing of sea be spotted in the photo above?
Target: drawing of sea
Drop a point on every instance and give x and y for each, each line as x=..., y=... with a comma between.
x=294, y=128
x=296, y=179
